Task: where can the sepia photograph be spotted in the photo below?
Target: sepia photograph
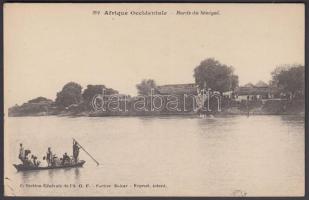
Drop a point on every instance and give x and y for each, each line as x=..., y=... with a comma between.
x=151, y=99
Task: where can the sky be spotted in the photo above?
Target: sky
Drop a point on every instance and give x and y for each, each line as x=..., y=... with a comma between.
x=48, y=45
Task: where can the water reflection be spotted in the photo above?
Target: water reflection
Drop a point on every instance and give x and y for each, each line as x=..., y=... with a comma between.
x=293, y=120
x=28, y=175
x=77, y=174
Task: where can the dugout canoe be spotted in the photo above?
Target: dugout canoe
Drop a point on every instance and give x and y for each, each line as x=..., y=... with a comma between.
x=21, y=167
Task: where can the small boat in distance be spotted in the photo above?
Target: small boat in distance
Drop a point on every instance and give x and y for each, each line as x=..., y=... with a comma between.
x=53, y=162
x=21, y=167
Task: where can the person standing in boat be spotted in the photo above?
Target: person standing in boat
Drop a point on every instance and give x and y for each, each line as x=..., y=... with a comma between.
x=21, y=155
x=75, y=151
x=49, y=157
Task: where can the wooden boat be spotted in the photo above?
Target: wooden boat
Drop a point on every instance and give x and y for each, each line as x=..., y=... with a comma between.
x=58, y=165
x=22, y=167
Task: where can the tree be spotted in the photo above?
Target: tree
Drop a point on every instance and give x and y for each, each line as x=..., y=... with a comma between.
x=144, y=88
x=289, y=79
x=40, y=100
x=216, y=76
x=93, y=90
x=70, y=94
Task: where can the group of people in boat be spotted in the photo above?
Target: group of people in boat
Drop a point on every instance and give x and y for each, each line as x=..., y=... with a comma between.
x=51, y=159
x=24, y=156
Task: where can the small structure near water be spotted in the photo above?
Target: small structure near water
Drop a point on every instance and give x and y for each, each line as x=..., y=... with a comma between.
x=259, y=91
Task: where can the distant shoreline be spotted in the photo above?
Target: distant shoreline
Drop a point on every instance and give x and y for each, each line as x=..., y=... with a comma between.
x=266, y=107
x=242, y=113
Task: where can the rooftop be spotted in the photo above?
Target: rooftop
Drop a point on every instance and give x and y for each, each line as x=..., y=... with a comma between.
x=189, y=88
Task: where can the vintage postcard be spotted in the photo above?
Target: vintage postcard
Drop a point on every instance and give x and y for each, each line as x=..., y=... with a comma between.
x=154, y=99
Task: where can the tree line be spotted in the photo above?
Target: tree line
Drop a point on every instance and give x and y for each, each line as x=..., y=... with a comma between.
x=72, y=93
x=212, y=74
x=209, y=74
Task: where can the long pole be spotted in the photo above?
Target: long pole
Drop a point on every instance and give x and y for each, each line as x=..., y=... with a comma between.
x=86, y=152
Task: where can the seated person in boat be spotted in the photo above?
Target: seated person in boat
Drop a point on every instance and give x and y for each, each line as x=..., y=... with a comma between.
x=26, y=160
x=29, y=160
x=24, y=155
x=65, y=159
x=35, y=162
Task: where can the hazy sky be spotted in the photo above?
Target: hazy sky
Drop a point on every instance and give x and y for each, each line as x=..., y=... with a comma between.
x=48, y=45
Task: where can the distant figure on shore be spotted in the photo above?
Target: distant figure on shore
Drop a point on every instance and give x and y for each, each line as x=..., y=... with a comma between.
x=75, y=151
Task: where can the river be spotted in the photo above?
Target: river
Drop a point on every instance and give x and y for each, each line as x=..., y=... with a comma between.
x=185, y=156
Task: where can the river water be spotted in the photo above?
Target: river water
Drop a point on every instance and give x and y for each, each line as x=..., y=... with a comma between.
x=186, y=156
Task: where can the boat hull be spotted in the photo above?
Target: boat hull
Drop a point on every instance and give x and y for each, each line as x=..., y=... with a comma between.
x=21, y=167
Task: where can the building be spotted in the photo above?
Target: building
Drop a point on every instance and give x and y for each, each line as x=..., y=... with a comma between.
x=260, y=90
x=178, y=89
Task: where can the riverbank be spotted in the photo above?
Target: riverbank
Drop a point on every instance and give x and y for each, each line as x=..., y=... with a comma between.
x=270, y=107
